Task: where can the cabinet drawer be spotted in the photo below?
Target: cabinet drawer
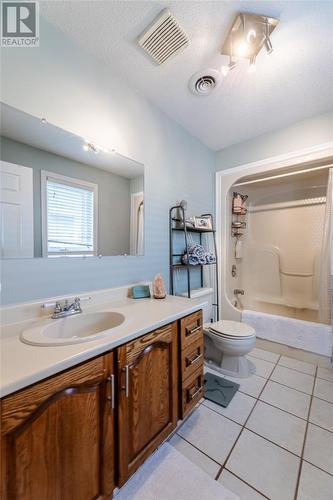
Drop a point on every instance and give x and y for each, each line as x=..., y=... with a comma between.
x=191, y=329
x=192, y=358
x=192, y=391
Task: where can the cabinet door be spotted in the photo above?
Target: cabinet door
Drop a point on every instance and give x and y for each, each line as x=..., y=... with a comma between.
x=57, y=436
x=148, y=386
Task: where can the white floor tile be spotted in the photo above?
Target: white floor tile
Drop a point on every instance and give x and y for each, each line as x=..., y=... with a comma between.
x=198, y=458
x=325, y=373
x=295, y=364
x=265, y=466
x=252, y=385
x=314, y=484
x=169, y=475
x=263, y=368
x=324, y=389
x=291, y=378
x=238, y=487
x=319, y=448
x=322, y=414
x=287, y=399
x=210, y=432
x=266, y=355
x=280, y=427
x=238, y=409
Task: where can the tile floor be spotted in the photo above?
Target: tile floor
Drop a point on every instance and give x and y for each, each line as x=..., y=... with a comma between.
x=275, y=439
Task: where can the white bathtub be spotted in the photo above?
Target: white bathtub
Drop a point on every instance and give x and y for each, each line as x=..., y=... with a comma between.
x=313, y=337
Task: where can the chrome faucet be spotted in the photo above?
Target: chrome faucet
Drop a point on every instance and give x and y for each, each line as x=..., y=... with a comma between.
x=67, y=309
x=238, y=291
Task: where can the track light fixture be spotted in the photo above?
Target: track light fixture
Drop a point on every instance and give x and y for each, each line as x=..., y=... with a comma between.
x=267, y=41
x=252, y=65
x=247, y=36
x=226, y=68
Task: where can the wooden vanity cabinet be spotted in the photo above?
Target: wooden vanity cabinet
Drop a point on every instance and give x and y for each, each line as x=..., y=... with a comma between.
x=148, y=396
x=191, y=361
x=78, y=434
x=57, y=436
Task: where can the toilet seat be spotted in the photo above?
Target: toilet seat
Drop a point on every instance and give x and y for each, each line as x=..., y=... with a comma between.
x=234, y=330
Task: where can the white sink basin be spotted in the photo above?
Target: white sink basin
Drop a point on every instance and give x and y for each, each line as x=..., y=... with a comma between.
x=73, y=329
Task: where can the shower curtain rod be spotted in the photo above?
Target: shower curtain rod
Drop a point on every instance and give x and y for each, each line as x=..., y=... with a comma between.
x=278, y=176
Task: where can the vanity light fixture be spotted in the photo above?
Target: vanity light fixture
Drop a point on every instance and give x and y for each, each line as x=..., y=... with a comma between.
x=43, y=120
x=247, y=36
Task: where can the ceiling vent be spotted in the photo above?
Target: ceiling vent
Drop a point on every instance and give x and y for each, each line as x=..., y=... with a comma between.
x=205, y=81
x=164, y=38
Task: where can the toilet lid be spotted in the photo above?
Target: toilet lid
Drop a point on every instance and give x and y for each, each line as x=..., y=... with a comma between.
x=234, y=329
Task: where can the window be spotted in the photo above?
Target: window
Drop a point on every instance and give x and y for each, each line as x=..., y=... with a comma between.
x=69, y=215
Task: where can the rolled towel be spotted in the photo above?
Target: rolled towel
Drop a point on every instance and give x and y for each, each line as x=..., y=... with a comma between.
x=210, y=258
x=197, y=250
x=192, y=260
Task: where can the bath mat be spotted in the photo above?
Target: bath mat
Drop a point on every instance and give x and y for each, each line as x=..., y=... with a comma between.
x=219, y=390
x=169, y=475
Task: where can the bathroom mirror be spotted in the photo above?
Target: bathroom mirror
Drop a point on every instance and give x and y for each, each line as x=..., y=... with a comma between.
x=64, y=196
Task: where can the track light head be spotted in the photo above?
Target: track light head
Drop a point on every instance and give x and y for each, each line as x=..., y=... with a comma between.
x=268, y=45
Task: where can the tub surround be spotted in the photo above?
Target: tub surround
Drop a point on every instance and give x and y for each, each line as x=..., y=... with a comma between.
x=23, y=364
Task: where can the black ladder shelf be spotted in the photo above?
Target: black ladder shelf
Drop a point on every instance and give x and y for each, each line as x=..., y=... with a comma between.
x=173, y=220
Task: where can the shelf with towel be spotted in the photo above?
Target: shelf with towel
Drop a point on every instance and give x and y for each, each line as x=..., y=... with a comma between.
x=194, y=254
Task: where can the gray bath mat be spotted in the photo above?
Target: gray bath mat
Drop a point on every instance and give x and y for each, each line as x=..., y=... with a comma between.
x=219, y=390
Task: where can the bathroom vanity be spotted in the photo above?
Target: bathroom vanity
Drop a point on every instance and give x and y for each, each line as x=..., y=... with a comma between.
x=79, y=433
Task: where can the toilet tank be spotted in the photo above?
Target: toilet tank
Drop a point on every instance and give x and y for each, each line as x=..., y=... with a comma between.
x=206, y=294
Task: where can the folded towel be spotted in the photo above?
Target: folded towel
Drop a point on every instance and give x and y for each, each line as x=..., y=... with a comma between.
x=197, y=255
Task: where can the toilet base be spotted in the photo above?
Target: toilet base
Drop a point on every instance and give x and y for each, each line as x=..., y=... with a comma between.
x=234, y=366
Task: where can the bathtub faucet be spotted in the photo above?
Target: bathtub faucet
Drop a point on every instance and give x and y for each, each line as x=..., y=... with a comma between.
x=238, y=291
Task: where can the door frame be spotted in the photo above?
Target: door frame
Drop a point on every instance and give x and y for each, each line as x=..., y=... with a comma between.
x=224, y=179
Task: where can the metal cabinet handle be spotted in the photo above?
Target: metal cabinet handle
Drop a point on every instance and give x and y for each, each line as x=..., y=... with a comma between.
x=193, y=330
x=110, y=396
x=126, y=389
x=196, y=392
x=194, y=360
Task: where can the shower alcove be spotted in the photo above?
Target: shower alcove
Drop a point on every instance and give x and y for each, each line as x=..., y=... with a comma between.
x=282, y=263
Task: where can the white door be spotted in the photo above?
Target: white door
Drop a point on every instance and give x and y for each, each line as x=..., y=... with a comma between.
x=16, y=211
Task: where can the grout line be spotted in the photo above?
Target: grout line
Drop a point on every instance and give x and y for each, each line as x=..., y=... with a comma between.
x=325, y=379
x=317, y=467
x=262, y=359
x=198, y=449
x=273, y=442
x=245, y=482
x=243, y=427
x=304, y=440
x=285, y=385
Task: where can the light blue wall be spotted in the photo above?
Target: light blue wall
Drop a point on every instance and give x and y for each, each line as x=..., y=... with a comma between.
x=77, y=92
x=301, y=135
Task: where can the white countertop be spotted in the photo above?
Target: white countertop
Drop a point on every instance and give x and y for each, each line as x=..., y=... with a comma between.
x=23, y=364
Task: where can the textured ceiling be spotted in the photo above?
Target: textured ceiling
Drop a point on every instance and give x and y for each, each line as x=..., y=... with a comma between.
x=293, y=83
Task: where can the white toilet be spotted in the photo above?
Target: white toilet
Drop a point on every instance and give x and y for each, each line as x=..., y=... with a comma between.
x=226, y=344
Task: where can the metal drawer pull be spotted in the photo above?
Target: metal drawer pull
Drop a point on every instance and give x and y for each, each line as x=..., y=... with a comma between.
x=193, y=360
x=193, y=330
x=196, y=392
x=110, y=397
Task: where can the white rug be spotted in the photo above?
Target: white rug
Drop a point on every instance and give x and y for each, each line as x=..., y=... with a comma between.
x=168, y=475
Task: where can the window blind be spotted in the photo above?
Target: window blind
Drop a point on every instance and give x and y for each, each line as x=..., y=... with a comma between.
x=70, y=218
